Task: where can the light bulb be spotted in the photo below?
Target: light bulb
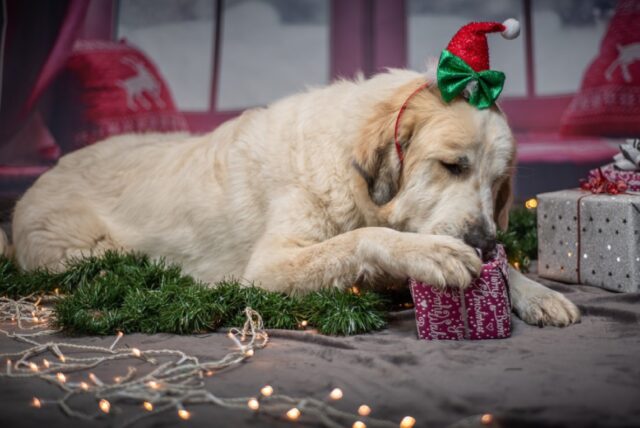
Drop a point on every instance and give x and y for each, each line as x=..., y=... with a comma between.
x=104, y=405
x=486, y=419
x=35, y=402
x=293, y=414
x=267, y=390
x=407, y=422
x=147, y=406
x=364, y=410
x=531, y=203
x=359, y=424
x=61, y=377
x=336, y=394
x=253, y=404
x=184, y=414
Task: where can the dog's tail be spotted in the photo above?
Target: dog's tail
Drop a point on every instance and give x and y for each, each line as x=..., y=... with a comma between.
x=6, y=249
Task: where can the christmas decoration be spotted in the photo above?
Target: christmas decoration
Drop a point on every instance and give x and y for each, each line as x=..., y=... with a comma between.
x=463, y=68
x=608, y=102
x=625, y=168
x=590, y=238
x=113, y=88
x=481, y=311
x=598, y=183
x=174, y=383
x=163, y=380
x=520, y=240
x=131, y=293
x=629, y=157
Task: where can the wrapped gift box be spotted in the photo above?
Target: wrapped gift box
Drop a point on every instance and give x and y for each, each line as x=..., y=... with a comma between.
x=593, y=239
x=481, y=311
x=631, y=178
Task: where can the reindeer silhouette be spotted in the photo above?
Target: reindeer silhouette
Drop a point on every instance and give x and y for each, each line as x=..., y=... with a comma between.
x=627, y=55
x=140, y=84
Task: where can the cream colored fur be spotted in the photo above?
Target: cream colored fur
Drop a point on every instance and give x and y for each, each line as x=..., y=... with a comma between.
x=304, y=194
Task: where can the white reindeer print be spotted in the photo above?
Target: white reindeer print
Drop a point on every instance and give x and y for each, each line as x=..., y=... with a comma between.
x=141, y=86
x=627, y=55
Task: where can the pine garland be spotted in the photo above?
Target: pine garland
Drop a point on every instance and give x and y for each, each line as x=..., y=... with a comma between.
x=132, y=293
x=521, y=238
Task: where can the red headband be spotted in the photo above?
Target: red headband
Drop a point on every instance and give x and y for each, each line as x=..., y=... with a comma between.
x=402, y=109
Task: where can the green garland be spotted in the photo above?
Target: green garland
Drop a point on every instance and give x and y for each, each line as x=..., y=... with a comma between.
x=521, y=238
x=131, y=293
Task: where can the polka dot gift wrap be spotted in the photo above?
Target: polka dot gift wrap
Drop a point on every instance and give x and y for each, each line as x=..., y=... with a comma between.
x=481, y=311
x=590, y=239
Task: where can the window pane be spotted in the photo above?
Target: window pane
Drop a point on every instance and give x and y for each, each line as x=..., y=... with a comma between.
x=433, y=23
x=271, y=48
x=178, y=36
x=567, y=36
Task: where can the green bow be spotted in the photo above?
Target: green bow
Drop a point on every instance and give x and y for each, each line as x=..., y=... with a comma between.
x=454, y=74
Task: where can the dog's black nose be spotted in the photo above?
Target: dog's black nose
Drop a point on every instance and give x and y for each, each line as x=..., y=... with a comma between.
x=478, y=237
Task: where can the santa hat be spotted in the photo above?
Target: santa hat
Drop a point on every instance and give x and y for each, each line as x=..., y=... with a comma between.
x=463, y=68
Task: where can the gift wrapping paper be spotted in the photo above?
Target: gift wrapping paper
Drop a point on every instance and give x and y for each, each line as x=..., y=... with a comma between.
x=593, y=239
x=481, y=311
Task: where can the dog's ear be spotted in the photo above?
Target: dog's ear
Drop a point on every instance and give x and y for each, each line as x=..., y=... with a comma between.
x=504, y=199
x=375, y=157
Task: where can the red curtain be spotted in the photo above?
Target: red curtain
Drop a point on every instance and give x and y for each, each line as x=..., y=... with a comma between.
x=36, y=38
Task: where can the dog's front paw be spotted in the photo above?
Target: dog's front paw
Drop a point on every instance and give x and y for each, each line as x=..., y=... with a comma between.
x=450, y=262
x=547, y=307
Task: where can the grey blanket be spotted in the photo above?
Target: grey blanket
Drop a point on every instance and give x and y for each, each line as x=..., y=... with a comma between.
x=587, y=375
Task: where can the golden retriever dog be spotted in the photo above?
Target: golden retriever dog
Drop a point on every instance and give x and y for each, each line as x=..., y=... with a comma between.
x=305, y=193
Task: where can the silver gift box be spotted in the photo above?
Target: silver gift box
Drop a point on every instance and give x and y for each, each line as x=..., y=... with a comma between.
x=590, y=239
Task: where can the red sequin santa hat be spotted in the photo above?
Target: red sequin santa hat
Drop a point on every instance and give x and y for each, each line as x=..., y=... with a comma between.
x=463, y=68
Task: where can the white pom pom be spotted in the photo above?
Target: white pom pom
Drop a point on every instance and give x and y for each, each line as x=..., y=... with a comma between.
x=511, y=29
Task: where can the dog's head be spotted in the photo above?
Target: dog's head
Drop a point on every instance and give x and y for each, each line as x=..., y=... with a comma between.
x=456, y=176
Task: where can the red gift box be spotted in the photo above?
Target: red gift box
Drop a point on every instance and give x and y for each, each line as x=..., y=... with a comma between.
x=481, y=311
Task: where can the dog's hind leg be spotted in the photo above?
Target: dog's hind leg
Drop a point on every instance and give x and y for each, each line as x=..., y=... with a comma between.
x=54, y=237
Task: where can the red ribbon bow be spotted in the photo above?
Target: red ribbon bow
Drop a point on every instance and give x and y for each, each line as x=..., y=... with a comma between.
x=601, y=184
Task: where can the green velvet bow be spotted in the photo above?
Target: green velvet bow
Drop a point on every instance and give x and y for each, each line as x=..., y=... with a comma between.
x=454, y=74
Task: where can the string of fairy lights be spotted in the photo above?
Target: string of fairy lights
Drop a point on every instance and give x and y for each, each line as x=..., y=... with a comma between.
x=171, y=380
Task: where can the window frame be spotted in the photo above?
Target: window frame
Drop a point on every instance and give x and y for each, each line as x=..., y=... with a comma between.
x=368, y=36
x=349, y=31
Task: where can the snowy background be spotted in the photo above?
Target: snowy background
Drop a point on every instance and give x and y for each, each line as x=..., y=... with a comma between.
x=269, y=49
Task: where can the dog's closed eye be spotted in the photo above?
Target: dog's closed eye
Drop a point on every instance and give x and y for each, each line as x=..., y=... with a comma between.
x=454, y=168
